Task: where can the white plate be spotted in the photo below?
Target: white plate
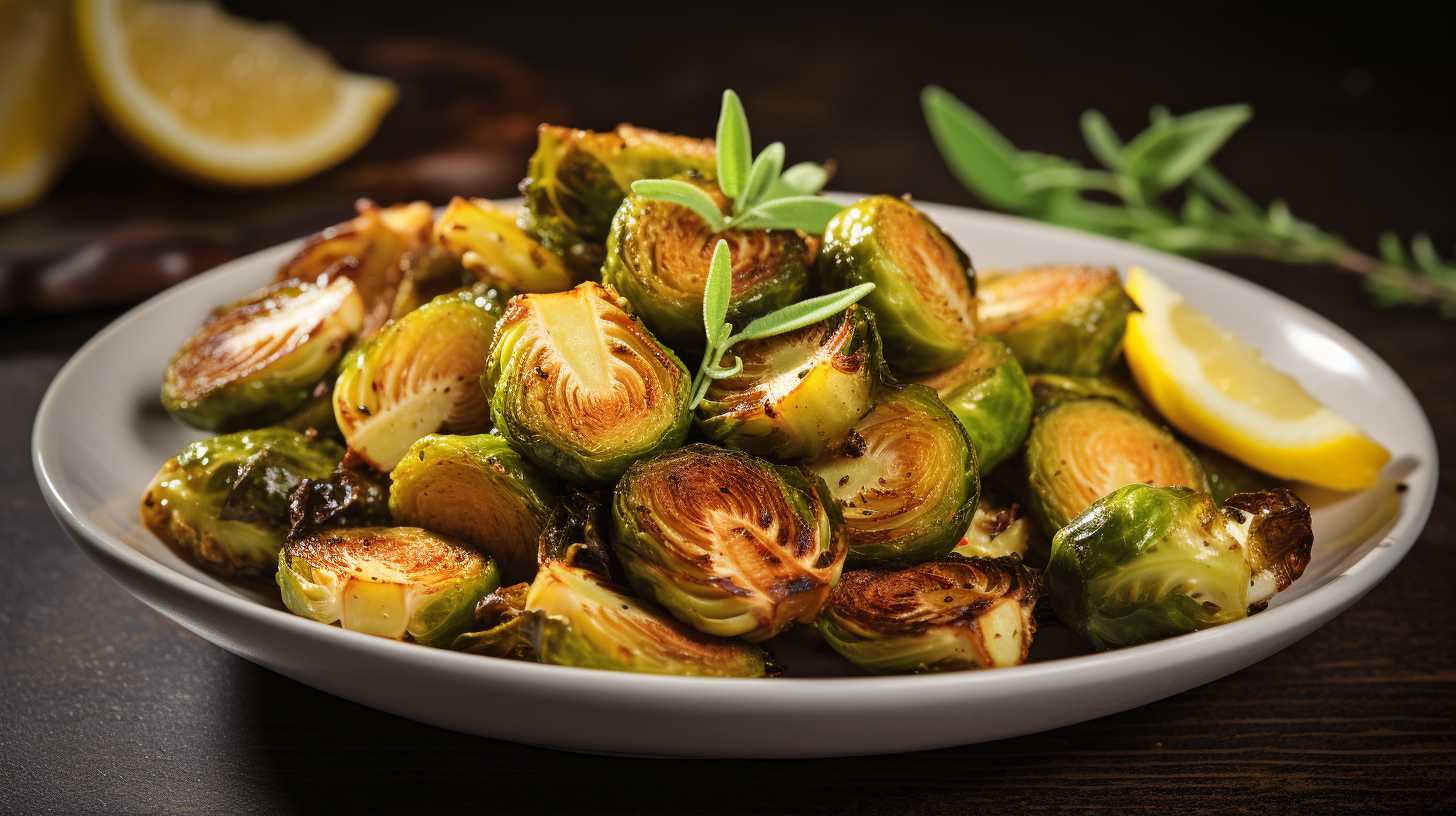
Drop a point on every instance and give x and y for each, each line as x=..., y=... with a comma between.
x=100, y=435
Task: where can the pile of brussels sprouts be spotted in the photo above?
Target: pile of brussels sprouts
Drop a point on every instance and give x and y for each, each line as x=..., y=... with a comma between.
x=479, y=432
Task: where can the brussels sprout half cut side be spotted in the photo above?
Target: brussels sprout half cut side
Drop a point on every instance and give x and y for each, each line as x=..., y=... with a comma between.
x=905, y=480
x=943, y=615
x=1057, y=319
x=1145, y=563
x=223, y=503
x=496, y=251
x=658, y=256
x=576, y=179
x=925, y=289
x=797, y=393
x=581, y=388
x=730, y=544
x=1079, y=451
x=990, y=396
x=418, y=376
x=479, y=490
x=395, y=582
x=259, y=360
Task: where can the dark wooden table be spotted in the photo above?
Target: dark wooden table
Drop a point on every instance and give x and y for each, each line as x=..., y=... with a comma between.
x=106, y=706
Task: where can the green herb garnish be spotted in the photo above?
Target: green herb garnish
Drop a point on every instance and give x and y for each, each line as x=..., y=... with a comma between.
x=1173, y=152
x=764, y=196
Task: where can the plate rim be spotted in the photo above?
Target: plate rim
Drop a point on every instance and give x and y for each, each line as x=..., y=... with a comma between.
x=1354, y=581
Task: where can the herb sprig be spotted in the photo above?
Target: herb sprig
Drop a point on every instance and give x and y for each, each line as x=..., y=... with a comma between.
x=1173, y=152
x=719, y=332
x=764, y=195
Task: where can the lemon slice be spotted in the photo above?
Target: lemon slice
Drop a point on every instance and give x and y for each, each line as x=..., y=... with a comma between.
x=43, y=107
x=223, y=99
x=1222, y=393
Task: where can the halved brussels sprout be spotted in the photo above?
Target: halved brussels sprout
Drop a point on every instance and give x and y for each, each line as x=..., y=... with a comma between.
x=496, y=251
x=798, y=393
x=997, y=529
x=989, y=394
x=418, y=376
x=658, y=255
x=367, y=250
x=479, y=490
x=1058, y=319
x=1049, y=389
x=576, y=179
x=730, y=544
x=925, y=288
x=585, y=621
x=1144, y=563
x=395, y=582
x=258, y=360
x=222, y=503
x=1081, y=450
x=944, y=615
x=905, y=479
x=581, y=388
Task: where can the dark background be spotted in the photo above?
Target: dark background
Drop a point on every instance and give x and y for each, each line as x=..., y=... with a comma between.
x=105, y=706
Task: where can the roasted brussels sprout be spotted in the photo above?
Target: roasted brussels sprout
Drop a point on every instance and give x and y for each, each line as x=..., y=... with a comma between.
x=798, y=393
x=420, y=375
x=367, y=250
x=658, y=255
x=576, y=179
x=395, y=582
x=1049, y=389
x=1081, y=450
x=258, y=360
x=989, y=394
x=581, y=387
x=943, y=615
x=730, y=544
x=997, y=529
x=497, y=252
x=222, y=503
x=476, y=489
x=905, y=479
x=925, y=289
x=1145, y=563
x=1057, y=319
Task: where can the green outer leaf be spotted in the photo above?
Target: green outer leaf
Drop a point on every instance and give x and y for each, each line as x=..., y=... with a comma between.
x=717, y=291
x=978, y=155
x=804, y=178
x=1169, y=151
x=679, y=192
x=761, y=176
x=735, y=150
x=1101, y=139
x=808, y=213
x=803, y=313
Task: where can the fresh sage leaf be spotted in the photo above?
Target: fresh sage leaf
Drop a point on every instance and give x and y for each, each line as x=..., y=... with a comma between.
x=804, y=178
x=807, y=213
x=1168, y=152
x=688, y=195
x=718, y=290
x=761, y=176
x=980, y=157
x=1101, y=139
x=735, y=147
x=801, y=314
x=1423, y=251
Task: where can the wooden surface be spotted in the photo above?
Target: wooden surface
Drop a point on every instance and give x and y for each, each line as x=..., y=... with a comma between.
x=105, y=706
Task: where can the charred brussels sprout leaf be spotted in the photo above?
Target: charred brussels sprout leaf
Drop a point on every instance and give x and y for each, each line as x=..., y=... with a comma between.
x=479, y=490
x=943, y=615
x=989, y=394
x=501, y=626
x=658, y=256
x=582, y=388
x=1057, y=319
x=395, y=582
x=997, y=529
x=730, y=544
x=1079, y=451
x=925, y=290
x=496, y=251
x=348, y=497
x=420, y=375
x=797, y=393
x=905, y=479
x=1146, y=563
x=222, y=503
x=259, y=360
x=576, y=179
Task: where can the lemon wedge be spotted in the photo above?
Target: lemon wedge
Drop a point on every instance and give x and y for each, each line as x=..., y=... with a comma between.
x=44, y=111
x=1222, y=393
x=223, y=99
